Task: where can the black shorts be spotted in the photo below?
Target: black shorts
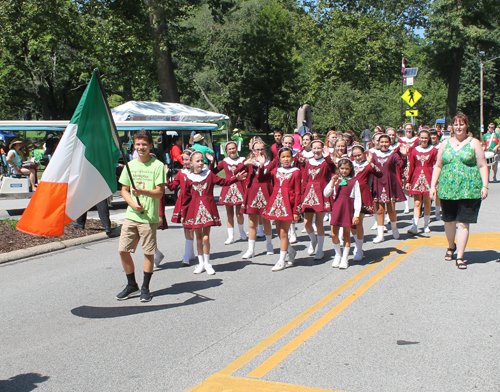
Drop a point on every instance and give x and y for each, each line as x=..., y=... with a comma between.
x=464, y=210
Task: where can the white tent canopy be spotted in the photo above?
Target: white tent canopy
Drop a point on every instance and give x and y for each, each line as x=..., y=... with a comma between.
x=163, y=111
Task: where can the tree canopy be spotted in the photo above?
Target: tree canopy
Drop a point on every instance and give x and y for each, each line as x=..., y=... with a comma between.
x=256, y=60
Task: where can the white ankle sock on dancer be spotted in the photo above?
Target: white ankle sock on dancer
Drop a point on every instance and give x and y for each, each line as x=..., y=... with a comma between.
x=312, y=245
x=380, y=235
x=208, y=267
x=201, y=266
x=344, y=263
x=230, y=236
x=243, y=235
x=427, y=219
x=394, y=228
x=188, y=248
x=319, y=250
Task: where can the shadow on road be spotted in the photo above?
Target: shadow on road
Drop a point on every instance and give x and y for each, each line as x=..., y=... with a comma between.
x=96, y=312
x=22, y=382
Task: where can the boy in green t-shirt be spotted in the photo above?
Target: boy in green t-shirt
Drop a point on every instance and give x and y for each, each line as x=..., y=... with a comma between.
x=141, y=219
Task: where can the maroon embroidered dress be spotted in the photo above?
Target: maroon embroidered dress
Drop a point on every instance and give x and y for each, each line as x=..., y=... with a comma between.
x=179, y=181
x=198, y=203
x=257, y=190
x=421, y=163
x=346, y=203
x=410, y=145
x=387, y=189
x=315, y=176
x=231, y=195
x=364, y=175
x=285, y=199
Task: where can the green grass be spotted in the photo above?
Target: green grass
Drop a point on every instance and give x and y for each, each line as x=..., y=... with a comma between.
x=11, y=222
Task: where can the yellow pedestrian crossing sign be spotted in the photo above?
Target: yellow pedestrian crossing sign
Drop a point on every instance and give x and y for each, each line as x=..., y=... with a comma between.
x=411, y=96
x=412, y=113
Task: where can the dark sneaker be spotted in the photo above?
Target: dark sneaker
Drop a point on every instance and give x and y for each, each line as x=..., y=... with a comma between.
x=128, y=292
x=77, y=226
x=145, y=295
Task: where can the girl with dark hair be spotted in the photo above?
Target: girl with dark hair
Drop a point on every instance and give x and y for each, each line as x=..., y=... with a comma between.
x=387, y=189
x=315, y=177
x=232, y=196
x=365, y=170
x=344, y=189
x=284, y=204
x=421, y=161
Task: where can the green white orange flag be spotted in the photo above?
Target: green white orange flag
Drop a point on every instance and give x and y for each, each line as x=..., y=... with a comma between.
x=81, y=172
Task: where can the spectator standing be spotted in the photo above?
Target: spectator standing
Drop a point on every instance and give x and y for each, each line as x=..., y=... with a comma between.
x=278, y=138
x=491, y=142
x=198, y=146
x=303, y=129
x=366, y=137
x=176, y=152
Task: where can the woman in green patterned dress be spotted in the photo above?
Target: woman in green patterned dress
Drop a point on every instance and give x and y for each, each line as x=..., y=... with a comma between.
x=463, y=182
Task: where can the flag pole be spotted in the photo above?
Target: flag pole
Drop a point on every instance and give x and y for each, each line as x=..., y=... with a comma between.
x=116, y=136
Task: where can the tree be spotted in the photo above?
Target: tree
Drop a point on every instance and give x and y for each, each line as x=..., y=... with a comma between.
x=452, y=27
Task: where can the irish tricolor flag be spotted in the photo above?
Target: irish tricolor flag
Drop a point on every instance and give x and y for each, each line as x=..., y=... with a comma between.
x=81, y=172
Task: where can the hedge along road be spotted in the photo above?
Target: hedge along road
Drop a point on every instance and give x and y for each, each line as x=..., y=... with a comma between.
x=403, y=319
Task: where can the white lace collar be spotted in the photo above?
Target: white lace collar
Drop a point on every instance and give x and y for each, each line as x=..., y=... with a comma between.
x=382, y=154
x=406, y=140
x=234, y=162
x=360, y=165
x=307, y=154
x=199, y=177
x=186, y=171
x=316, y=162
x=287, y=169
x=421, y=149
x=394, y=146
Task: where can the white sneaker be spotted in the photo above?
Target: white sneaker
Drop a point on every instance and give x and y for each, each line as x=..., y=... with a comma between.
x=248, y=255
x=378, y=240
x=395, y=234
x=311, y=249
x=343, y=264
x=199, y=269
x=304, y=230
x=326, y=218
x=319, y=255
x=270, y=249
x=279, y=266
x=210, y=270
x=413, y=230
x=291, y=258
x=185, y=261
x=229, y=241
x=336, y=261
x=243, y=236
x=358, y=256
x=260, y=234
x=406, y=211
x=293, y=238
x=385, y=229
x=374, y=227
x=427, y=229
x=158, y=258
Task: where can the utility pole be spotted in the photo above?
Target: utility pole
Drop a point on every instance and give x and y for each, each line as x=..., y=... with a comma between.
x=481, y=113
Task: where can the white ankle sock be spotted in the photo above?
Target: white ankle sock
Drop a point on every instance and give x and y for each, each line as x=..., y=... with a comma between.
x=201, y=260
x=283, y=255
x=427, y=219
x=230, y=232
x=242, y=231
x=380, y=231
x=415, y=221
x=251, y=245
x=269, y=239
x=337, y=249
x=260, y=228
x=345, y=253
x=438, y=209
x=206, y=258
x=321, y=241
x=359, y=243
x=313, y=238
x=394, y=226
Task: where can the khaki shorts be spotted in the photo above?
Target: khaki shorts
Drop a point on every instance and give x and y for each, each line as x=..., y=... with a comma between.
x=132, y=232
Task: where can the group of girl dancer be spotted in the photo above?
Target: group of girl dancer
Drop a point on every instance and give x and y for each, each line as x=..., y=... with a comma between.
x=340, y=179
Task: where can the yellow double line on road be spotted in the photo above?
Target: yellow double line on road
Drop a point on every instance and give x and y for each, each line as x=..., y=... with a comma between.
x=222, y=381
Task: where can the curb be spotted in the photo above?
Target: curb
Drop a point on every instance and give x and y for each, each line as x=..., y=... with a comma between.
x=52, y=247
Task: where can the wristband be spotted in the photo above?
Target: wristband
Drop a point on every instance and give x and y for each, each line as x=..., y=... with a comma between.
x=484, y=186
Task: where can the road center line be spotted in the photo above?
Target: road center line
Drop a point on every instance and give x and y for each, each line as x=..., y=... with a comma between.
x=256, y=350
x=280, y=355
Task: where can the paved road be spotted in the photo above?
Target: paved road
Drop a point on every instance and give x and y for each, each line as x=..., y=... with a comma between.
x=402, y=320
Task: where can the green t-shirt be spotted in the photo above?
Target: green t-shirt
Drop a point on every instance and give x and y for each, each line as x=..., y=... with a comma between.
x=146, y=176
x=203, y=149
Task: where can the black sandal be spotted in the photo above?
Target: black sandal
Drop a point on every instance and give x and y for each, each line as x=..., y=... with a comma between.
x=460, y=263
x=449, y=253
